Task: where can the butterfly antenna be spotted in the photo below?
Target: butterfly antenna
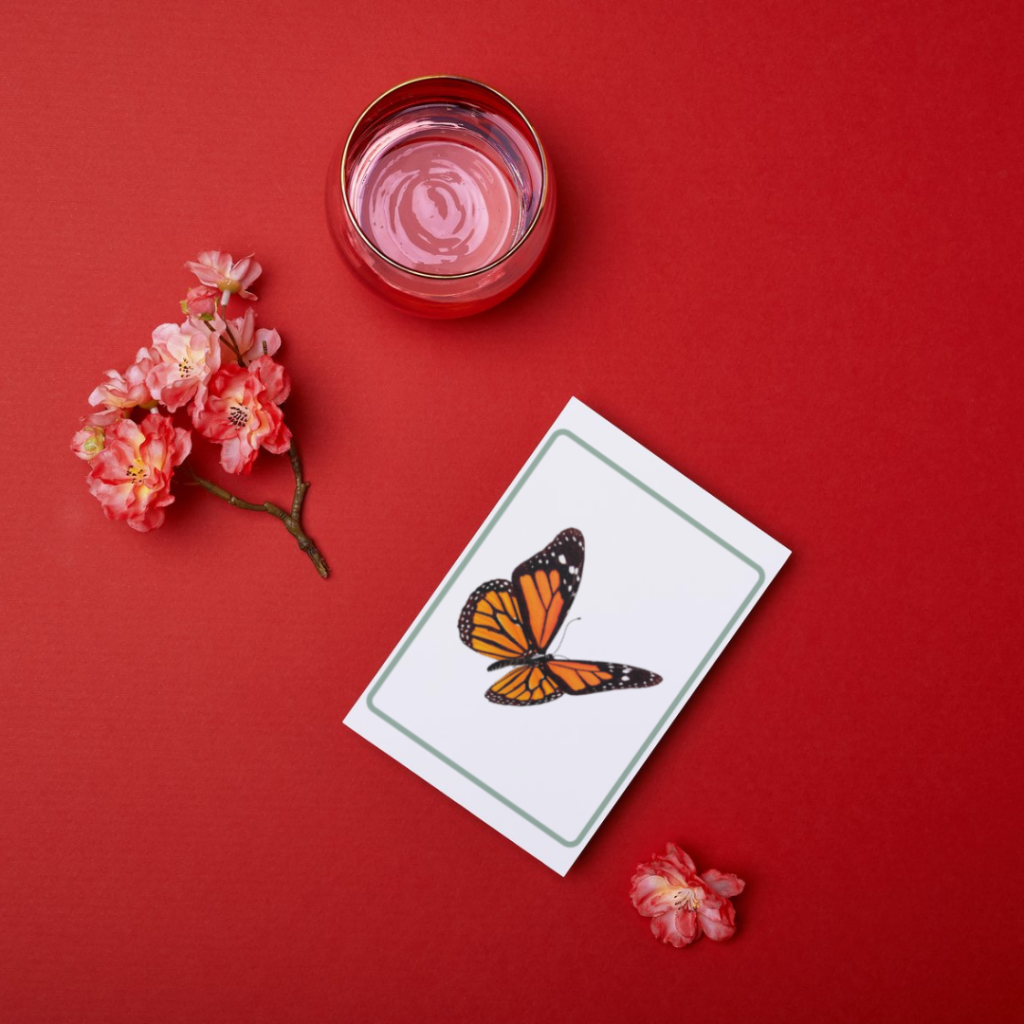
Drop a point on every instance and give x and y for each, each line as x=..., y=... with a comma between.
x=566, y=633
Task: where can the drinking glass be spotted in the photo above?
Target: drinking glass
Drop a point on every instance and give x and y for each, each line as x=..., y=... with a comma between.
x=442, y=199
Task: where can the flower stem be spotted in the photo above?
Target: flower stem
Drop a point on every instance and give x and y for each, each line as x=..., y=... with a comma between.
x=233, y=343
x=292, y=521
x=301, y=486
x=229, y=340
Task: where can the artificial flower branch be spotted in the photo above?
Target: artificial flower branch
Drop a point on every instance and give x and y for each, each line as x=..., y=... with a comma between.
x=130, y=440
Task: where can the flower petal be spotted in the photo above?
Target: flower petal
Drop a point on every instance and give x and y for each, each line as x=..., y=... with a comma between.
x=723, y=884
x=652, y=895
x=273, y=377
x=680, y=859
x=677, y=929
x=718, y=922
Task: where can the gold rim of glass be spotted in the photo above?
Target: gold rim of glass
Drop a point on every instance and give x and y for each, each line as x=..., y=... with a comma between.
x=469, y=273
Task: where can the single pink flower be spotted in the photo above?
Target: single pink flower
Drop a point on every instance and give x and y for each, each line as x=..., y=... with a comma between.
x=218, y=270
x=682, y=904
x=131, y=476
x=88, y=441
x=125, y=391
x=241, y=412
x=200, y=301
x=184, y=358
x=253, y=343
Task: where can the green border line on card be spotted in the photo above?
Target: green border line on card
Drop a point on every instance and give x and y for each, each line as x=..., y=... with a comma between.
x=645, y=746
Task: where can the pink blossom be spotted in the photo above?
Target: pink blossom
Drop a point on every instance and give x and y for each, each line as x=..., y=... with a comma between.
x=253, y=343
x=200, y=301
x=218, y=270
x=131, y=476
x=241, y=412
x=184, y=358
x=88, y=441
x=125, y=391
x=682, y=904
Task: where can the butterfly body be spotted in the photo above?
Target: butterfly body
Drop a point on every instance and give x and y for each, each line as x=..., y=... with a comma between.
x=514, y=621
x=529, y=659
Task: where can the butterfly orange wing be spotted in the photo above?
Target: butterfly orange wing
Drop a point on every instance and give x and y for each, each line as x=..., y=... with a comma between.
x=580, y=677
x=491, y=622
x=524, y=686
x=544, y=586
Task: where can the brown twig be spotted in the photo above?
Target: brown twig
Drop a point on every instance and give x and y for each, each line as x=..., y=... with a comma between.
x=292, y=521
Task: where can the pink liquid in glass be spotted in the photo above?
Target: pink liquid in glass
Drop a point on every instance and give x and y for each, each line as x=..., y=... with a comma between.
x=445, y=189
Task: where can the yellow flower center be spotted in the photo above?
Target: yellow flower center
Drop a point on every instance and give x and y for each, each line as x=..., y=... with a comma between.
x=684, y=898
x=137, y=472
x=94, y=443
x=185, y=367
x=239, y=416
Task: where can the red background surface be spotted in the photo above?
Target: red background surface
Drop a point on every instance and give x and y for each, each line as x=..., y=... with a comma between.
x=788, y=260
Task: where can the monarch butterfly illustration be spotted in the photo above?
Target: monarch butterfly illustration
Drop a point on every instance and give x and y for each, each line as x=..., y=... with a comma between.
x=493, y=624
